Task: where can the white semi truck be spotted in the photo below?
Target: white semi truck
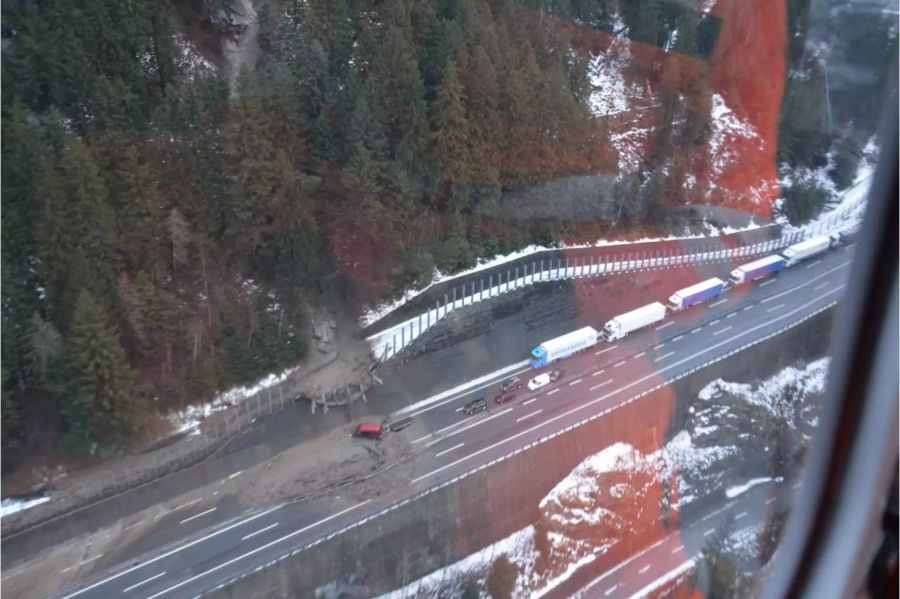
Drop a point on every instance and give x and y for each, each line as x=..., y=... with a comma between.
x=629, y=322
x=809, y=248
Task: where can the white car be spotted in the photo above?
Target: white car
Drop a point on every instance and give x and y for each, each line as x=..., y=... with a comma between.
x=539, y=381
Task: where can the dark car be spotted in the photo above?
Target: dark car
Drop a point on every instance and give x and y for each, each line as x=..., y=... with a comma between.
x=401, y=424
x=504, y=397
x=555, y=375
x=475, y=406
x=510, y=385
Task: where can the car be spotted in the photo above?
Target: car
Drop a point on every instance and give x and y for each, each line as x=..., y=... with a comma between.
x=504, y=397
x=511, y=384
x=555, y=375
x=475, y=406
x=368, y=430
x=401, y=424
x=541, y=380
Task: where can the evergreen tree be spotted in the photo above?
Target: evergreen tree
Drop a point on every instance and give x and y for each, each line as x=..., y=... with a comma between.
x=450, y=127
x=103, y=409
x=501, y=581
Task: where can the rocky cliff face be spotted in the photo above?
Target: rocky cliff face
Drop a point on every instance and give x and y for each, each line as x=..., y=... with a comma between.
x=224, y=32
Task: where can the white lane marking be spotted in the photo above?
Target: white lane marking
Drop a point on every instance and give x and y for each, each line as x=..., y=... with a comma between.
x=662, y=326
x=711, y=531
x=532, y=400
x=638, y=381
x=611, y=590
x=460, y=409
x=598, y=373
x=644, y=569
x=847, y=247
x=778, y=307
x=617, y=364
x=640, y=355
x=671, y=575
x=253, y=551
x=716, y=321
x=467, y=427
x=189, y=503
x=732, y=315
x=603, y=351
x=656, y=347
x=455, y=447
x=460, y=391
x=766, y=283
x=720, y=331
x=678, y=338
x=526, y=416
x=14, y=574
x=714, y=304
x=697, y=330
x=741, y=515
x=87, y=561
x=230, y=476
x=143, y=582
x=775, y=296
x=195, y=516
x=168, y=553
x=748, y=308
x=663, y=357
x=811, y=264
x=600, y=385
x=820, y=285
x=770, y=500
x=552, y=392
x=676, y=550
x=575, y=382
x=796, y=486
x=259, y=532
x=130, y=526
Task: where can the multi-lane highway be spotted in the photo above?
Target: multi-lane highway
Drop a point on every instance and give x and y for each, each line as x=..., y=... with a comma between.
x=449, y=443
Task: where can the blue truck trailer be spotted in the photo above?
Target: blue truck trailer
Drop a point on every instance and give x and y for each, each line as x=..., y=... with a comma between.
x=695, y=294
x=757, y=269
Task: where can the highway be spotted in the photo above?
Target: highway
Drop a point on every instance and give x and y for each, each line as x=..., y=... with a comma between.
x=449, y=443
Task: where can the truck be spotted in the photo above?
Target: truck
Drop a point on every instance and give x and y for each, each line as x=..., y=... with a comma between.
x=695, y=294
x=562, y=347
x=624, y=324
x=809, y=248
x=756, y=269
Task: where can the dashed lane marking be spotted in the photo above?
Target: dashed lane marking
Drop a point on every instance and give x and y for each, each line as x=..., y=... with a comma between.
x=720, y=331
x=446, y=451
x=195, y=516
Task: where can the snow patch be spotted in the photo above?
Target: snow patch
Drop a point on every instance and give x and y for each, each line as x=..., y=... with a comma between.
x=736, y=490
x=189, y=419
x=11, y=506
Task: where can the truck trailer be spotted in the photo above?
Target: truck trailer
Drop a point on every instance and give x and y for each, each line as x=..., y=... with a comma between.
x=562, y=347
x=695, y=294
x=807, y=249
x=626, y=323
x=756, y=269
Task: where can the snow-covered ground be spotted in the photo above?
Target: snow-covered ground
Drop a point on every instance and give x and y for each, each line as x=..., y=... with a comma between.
x=11, y=506
x=190, y=418
x=725, y=128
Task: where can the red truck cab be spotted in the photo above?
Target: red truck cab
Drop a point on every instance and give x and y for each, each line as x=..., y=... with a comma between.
x=368, y=430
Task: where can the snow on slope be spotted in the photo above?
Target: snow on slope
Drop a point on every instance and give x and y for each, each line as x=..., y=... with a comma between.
x=768, y=394
x=11, y=505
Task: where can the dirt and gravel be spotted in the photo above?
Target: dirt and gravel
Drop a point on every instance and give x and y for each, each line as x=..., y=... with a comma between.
x=327, y=462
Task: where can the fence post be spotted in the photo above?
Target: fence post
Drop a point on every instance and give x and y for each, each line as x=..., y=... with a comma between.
x=281, y=395
x=402, y=337
x=542, y=270
x=445, y=304
x=270, y=399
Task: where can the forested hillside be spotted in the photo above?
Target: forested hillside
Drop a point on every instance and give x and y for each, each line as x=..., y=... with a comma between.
x=178, y=192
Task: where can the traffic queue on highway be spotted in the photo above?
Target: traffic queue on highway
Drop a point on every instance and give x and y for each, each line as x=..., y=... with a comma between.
x=558, y=348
